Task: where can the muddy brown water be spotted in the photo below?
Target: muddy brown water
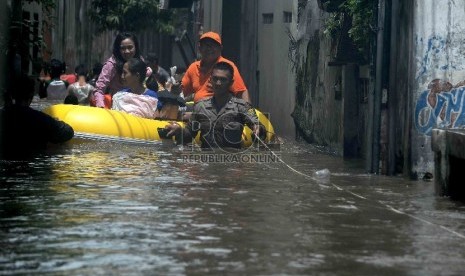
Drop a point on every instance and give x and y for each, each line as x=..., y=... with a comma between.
x=99, y=208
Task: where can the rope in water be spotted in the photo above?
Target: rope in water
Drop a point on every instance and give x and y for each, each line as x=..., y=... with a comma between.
x=388, y=207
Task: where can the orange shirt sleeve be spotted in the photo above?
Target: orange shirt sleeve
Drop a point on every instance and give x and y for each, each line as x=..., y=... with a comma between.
x=187, y=80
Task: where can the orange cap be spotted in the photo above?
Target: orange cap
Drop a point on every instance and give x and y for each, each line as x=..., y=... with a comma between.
x=212, y=35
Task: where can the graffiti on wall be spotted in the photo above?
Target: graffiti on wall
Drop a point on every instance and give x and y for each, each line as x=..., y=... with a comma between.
x=437, y=52
x=442, y=103
x=440, y=106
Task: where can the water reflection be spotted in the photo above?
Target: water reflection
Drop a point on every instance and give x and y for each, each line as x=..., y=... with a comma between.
x=99, y=208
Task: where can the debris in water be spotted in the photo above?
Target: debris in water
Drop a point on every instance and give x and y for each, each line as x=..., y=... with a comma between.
x=324, y=173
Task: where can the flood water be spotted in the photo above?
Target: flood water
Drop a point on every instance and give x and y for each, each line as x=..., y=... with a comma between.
x=100, y=208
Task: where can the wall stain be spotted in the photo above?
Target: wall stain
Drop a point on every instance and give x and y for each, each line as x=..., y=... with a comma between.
x=438, y=52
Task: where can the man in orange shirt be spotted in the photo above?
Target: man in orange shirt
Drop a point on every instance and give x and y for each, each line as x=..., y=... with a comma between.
x=196, y=80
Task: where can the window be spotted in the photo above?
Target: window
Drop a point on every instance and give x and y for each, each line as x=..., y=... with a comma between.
x=267, y=18
x=287, y=17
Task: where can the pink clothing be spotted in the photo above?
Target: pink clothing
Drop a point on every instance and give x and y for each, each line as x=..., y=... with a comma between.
x=143, y=106
x=109, y=80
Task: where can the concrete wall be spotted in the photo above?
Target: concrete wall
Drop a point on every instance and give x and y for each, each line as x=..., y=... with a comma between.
x=239, y=33
x=260, y=51
x=318, y=110
x=400, y=87
x=248, y=56
x=212, y=15
x=438, y=75
x=276, y=80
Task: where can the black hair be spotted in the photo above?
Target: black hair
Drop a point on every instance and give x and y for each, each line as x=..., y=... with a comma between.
x=161, y=78
x=71, y=99
x=81, y=70
x=152, y=58
x=137, y=66
x=97, y=69
x=56, y=68
x=23, y=90
x=117, y=46
x=152, y=83
x=224, y=66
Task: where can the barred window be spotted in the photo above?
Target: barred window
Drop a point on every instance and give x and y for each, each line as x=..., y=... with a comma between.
x=267, y=18
x=287, y=17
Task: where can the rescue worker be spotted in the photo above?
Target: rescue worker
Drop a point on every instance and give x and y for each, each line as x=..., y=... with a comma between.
x=196, y=79
x=221, y=118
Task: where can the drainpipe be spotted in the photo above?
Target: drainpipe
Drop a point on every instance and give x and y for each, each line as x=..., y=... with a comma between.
x=378, y=89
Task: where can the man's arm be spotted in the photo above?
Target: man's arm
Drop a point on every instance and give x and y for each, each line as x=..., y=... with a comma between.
x=56, y=131
x=250, y=118
x=245, y=96
x=183, y=135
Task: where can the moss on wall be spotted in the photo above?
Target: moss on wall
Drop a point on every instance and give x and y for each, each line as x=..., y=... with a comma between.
x=306, y=84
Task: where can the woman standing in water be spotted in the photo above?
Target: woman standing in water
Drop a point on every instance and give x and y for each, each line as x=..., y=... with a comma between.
x=125, y=47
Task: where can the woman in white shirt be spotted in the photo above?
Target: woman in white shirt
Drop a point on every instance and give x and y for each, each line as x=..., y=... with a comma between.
x=135, y=99
x=81, y=89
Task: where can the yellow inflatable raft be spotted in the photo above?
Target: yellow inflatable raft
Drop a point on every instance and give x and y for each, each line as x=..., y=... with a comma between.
x=105, y=124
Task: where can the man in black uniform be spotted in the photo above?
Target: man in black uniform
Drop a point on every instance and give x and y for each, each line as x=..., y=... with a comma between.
x=221, y=118
x=23, y=130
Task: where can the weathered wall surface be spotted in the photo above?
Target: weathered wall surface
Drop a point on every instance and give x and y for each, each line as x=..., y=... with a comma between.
x=247, y=62
x=400, y=87
x=439, y=75
x=318, y=110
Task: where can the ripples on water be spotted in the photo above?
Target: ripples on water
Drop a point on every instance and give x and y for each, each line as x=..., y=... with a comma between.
x=101, y=208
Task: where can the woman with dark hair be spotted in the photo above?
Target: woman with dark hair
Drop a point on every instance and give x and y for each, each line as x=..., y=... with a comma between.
x=125, y=47
x=81, y=89
x=136, y=99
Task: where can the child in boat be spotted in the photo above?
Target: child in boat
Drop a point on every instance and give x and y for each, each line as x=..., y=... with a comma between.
x=55, y=89
x=135, y=99
x=169, y=102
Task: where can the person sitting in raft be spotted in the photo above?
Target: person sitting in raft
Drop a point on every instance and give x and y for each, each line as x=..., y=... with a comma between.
x=24, y=130
x=136, y=99
x=196, y=79
x=125, y=47
x=170, y=106
x=168, y=102
x=221, y=118
x=160, y=74
x=81, y=89
x=55, y=89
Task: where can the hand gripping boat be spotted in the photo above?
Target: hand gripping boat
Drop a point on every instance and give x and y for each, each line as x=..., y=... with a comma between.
x=105, y=124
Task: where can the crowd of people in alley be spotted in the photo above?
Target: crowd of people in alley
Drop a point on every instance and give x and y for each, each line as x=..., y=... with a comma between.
x=136, y=84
